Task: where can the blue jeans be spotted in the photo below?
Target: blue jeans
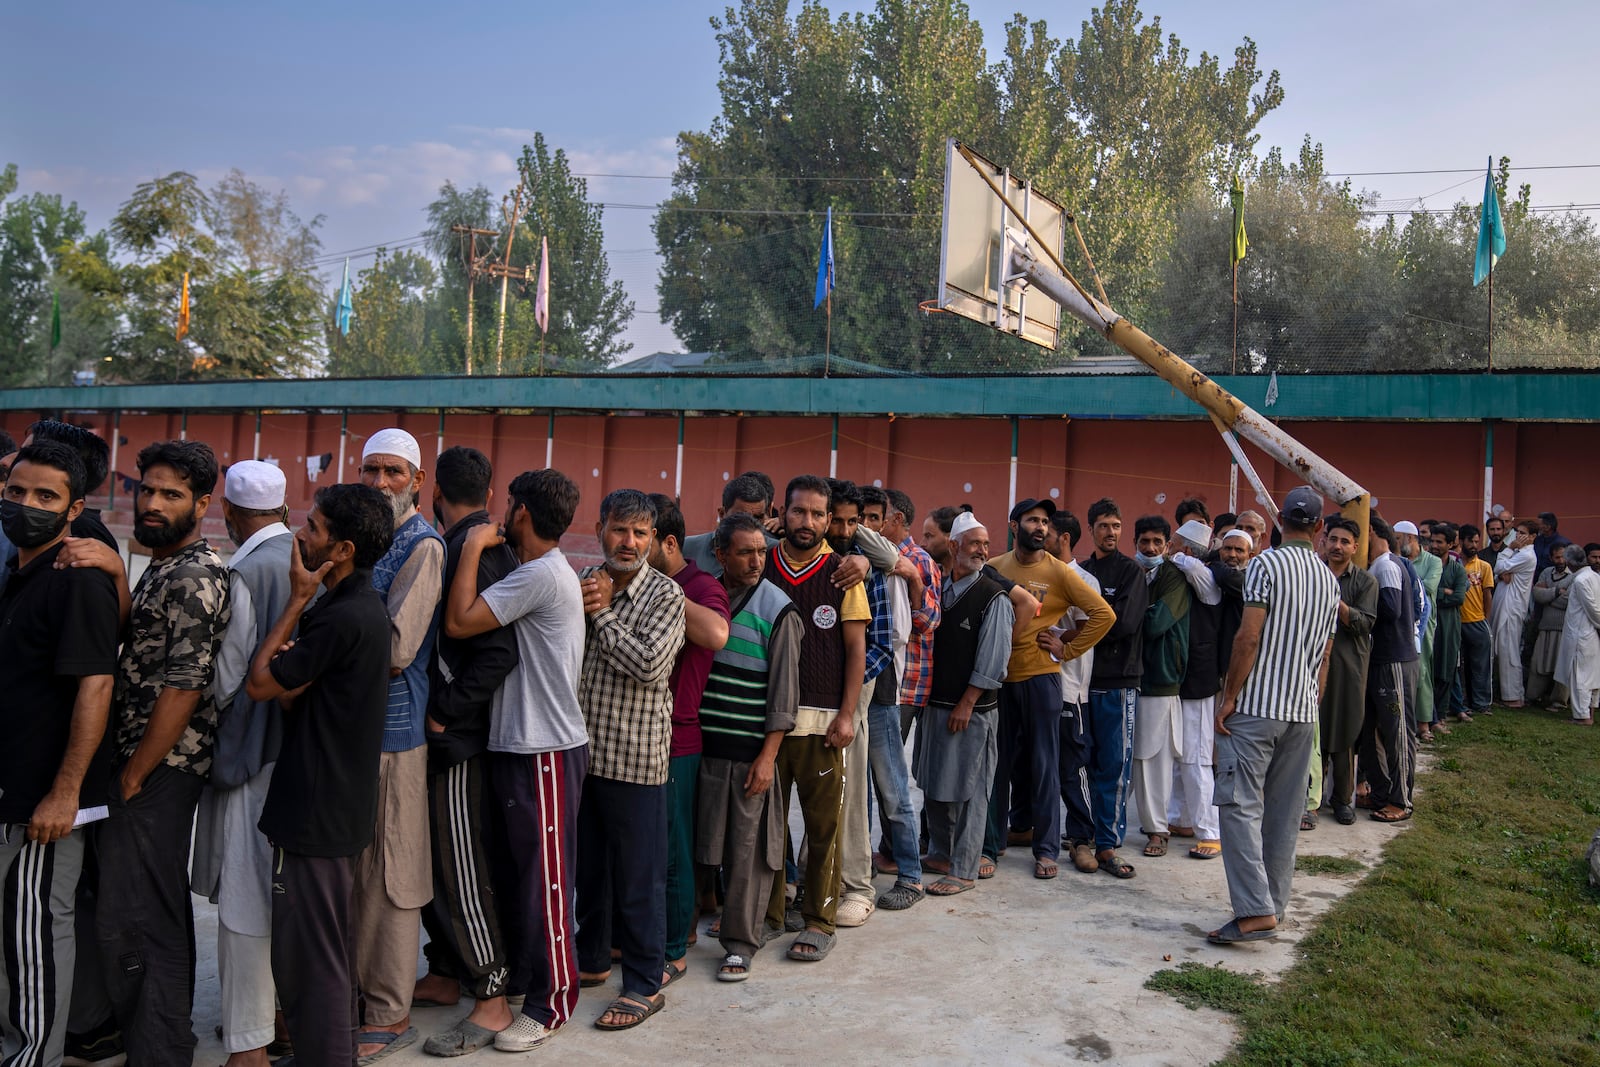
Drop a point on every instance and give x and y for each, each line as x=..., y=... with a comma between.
x=1110, y=762
x=891, y=779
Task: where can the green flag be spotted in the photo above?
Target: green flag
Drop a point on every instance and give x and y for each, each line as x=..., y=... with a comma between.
x=1241, y=243
x=55, y=319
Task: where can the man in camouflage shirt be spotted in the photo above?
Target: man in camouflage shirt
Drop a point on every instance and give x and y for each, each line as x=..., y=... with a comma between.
x=163, y=728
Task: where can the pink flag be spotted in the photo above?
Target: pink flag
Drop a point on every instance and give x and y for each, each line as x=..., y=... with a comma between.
x=541, y=305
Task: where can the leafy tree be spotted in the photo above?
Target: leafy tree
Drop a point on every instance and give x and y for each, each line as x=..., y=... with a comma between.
x=255, y=305
x=388, y=334
x=46, y=255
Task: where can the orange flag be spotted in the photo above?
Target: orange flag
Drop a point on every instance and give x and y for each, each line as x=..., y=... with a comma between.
x=183, y=309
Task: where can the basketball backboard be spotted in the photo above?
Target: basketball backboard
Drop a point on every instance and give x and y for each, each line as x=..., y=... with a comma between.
x=973, y=256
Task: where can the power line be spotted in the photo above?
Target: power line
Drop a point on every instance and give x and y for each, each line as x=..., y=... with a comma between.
x=892, y=178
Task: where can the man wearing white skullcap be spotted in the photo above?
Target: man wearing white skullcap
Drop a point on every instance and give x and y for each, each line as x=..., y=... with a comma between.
x=958, y=750
x=232, y=862
x=394, y=876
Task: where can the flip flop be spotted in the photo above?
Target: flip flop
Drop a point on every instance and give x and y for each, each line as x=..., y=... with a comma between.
x=1230, y=934
x=637, y=1011
x=1045, y=868
x=949, y=887
x=986, y=868
x=462, y=1039
x=1206, y=850
x=391, y=1042
x=815, y=939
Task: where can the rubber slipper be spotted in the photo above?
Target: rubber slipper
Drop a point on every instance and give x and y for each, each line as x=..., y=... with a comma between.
x=734, y=959
x=986, y=868
x=462, y=1039
x=1206, y=850
x=1230, y=934
x=814, y=939
x=1045, y=869
x=949, y=887
x=1116, y=867
x=391, y=1042
x=636, y=1011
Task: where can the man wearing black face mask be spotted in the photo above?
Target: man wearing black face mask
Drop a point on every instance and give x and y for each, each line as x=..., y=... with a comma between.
x=58, y=641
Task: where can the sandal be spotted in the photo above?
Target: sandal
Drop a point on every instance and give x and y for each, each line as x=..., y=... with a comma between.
x=1156, y=846
x=1045, y=868
x=820, y=944
x=1308, y=820
x=900, y=896
x=986, y=868
x=728, y=973
x=635, y=1011
x=391, y=1042
x=1114, y=866
x=1206, y=850
x=672, y=974
x=949, y=886
x=1392, y=813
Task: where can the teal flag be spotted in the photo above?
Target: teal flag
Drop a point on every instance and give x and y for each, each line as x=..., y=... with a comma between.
x=1491, y=233
x=346, y=307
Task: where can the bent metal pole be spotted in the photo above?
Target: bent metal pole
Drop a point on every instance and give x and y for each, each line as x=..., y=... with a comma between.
x=1229, y=411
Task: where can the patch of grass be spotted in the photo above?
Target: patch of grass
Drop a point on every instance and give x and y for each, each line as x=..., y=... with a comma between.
x=1194, y=985
x=1311, y=863
x=1476, y=939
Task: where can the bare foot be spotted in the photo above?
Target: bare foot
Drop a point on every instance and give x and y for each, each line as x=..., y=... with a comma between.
x=397, y=1028
x=437, y=989
x=491, y=1013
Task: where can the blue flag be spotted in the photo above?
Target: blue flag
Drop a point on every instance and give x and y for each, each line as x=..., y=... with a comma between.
x=1491, y=234
x=825, y=263
x=346, y=307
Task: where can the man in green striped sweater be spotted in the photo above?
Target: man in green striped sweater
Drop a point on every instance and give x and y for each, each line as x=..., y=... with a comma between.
x=748, y=706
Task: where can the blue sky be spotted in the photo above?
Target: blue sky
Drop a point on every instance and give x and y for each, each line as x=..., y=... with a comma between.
x=361, y=110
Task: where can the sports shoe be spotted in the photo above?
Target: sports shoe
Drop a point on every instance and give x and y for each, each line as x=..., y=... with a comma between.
x=523, y=1035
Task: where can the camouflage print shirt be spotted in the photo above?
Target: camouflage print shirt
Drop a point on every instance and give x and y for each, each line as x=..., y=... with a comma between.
x=178, y=617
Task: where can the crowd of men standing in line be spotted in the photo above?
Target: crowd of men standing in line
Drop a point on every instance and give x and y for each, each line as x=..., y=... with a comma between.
x=381, y=723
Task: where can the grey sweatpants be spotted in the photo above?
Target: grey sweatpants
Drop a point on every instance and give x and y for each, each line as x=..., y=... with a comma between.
x=40, y=882
x=1261, y=788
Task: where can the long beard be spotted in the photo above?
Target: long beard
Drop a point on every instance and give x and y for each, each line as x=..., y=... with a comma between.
x=399, y=503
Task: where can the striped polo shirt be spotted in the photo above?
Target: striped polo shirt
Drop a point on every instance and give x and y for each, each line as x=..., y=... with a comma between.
x=1301, y=598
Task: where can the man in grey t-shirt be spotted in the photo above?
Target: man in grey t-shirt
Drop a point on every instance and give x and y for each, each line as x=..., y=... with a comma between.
x=538, y=747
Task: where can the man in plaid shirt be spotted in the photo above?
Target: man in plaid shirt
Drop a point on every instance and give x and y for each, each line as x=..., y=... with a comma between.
x=636, y=626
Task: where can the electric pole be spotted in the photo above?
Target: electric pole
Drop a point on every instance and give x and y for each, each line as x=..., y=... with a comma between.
x=474, y=268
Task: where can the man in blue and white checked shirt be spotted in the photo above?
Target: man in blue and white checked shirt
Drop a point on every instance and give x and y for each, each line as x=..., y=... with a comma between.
x=1267, y=719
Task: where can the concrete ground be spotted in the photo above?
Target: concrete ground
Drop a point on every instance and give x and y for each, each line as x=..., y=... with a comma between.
x=1017, y=971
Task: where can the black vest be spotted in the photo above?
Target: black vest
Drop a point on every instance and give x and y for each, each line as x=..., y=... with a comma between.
x=955, y=644
x=822, y=633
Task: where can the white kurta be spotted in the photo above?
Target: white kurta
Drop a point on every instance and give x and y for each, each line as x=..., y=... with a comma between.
x=1578, y=662
x=1513, y=593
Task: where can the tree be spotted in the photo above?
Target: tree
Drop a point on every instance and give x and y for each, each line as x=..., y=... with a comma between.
x=255, y=303
x=853, y=113
x=389, y=332
x=47, y=255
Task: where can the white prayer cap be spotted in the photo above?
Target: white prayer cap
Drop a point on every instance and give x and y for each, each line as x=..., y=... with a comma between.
x=394, y=442
x=1406, y=526
x=1236, y=534
x=964, y=522
x=1196, y=534
x=253, y=484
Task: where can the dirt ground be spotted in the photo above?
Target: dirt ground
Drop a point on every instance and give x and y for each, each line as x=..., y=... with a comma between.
x=1017, y=971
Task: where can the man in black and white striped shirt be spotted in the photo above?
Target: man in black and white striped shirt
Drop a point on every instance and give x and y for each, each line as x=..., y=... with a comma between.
x=1267, y=719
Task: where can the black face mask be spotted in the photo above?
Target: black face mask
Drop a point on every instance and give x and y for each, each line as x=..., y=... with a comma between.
x=28, y=527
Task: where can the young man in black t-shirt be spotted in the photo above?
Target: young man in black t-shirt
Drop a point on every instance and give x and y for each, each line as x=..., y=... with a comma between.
x=333, y=681
x=58, y=655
